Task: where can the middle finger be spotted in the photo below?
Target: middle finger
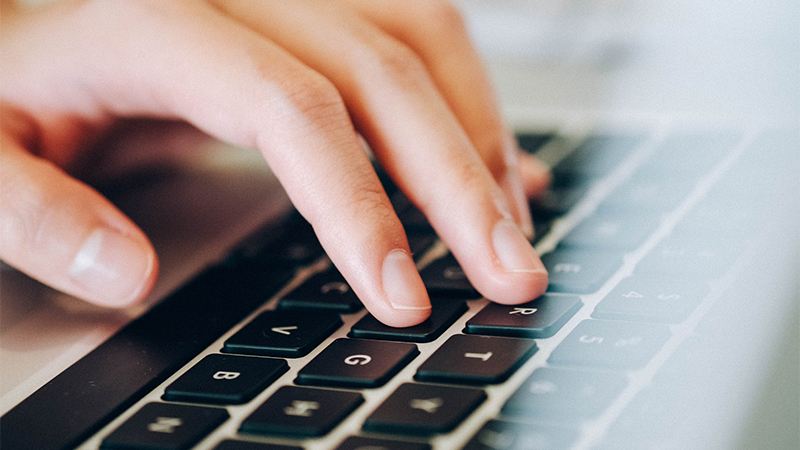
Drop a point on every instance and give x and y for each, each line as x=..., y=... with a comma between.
x=415, y=136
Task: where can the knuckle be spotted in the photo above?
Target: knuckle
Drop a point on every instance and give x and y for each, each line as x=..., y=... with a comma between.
x=25, y=211
x=315, y=97
x=396, y=62
x=443, y=16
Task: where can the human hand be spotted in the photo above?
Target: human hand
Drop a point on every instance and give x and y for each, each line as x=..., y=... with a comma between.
x=298, y=80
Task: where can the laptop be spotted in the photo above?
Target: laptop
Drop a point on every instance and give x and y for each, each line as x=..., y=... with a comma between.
x=670, y=233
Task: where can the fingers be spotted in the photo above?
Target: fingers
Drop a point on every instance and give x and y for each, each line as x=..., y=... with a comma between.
x=415, y=135
x=68, y=236
x=435, y=30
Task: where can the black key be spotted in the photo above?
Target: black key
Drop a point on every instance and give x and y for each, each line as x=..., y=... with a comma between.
x=531, y=142
x=565, y=396
x=225, y=379
x=603, y=343
x=283, y=333
x=242, y=445
x=299, y=411
x=419, y=243
x=327, y=290
x=622, y=230
x=499, y=435
x=445, y=277
x=165, y=427
x=293, y=243
x=652, y=299
x=357, y=363
x=540, y=318
x=579, y=271
x=365, y=443
x=443, y=313
x=559, y=199
x=423, y=409
x=139, y=357
x=475, y=360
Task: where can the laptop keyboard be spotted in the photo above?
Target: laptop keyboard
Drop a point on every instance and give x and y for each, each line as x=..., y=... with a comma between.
x=635, y=231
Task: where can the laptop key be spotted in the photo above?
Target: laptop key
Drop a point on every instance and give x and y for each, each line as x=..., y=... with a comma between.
x=540, y=318
x=610, y=344
x=466, y=359
x=501, y=435
x=243, y=445
x=423, y=409
x=365, y=443
x=445, y=277
x=327, y=290
x=623, y=230
x=443, y=313
x=564, y=396
x=165, y=427
x=300, y=411
x=652, y=299
x=225, y=379
x=357, y=363
x=289, y=334
x=580, y=271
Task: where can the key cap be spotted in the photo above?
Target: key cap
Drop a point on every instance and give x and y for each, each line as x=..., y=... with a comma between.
x=540, y=318
x=652, y=299
x=564, y=396
x=301, y=411
x=531, y=142
x=645, y=193
x=580, y=271
x=695, y=257
x=365, y=443
x=326, y=290
x=242, y=445
x=293, y=243
x=500, y=435
x=423, y=409
x=445, y=277
x=611, y=344
x=165, y=427
x=357, y=363
x=443, y=313
x=598, y=155
x=621, y=230
x=419, y=243
x=225, y=379
x=475, y=360
x=690, y=154
x=283, y=333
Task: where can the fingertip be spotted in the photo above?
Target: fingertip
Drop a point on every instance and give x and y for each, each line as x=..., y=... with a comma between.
x=114, y=269
x=405, y=294
x=536, y=175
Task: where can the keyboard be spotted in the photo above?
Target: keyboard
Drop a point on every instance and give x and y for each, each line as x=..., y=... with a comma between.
x=644, y=236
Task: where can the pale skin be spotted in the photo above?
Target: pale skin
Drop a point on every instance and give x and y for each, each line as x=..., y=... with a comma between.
x=301, y=81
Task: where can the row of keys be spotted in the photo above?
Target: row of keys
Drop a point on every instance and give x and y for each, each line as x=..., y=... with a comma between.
x=412, y=409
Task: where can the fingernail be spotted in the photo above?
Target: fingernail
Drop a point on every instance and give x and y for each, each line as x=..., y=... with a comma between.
x=402, y=284
x=513, y=250
x=113, y=268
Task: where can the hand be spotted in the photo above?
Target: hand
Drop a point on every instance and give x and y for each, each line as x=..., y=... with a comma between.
x=298, y=80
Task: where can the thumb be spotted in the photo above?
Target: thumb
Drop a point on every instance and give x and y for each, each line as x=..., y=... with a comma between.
x=65, y=234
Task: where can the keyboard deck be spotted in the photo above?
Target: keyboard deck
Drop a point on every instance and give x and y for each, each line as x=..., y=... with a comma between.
x=270, y=349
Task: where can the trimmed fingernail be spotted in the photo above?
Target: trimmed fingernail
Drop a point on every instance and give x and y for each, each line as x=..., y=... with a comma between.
x=402, y=284
x=112, y=267
x=513, y=249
